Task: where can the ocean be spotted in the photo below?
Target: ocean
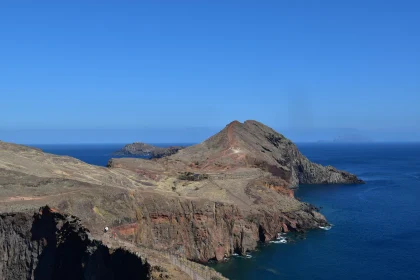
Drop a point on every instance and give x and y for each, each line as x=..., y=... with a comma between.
x=96, y=154
x=376, y=226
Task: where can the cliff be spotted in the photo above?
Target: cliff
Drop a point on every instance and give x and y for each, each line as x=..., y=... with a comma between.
x=246, y=171
x=48, y=245
x=204, y=202
x=146, y=150
x=100, y=197
x=202, y=229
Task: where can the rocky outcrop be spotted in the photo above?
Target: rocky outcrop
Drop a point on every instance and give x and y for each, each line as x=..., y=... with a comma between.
x=252, y=144
x=189, y=176
x=146, y=150
x=204, y=202
x=234, y=191
x=49, y=245
x=201, y=229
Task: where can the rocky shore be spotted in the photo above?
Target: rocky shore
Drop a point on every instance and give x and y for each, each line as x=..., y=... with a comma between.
x=208, y=201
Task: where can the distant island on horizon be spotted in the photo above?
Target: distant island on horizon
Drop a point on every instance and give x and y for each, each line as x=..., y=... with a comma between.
x=349, y=138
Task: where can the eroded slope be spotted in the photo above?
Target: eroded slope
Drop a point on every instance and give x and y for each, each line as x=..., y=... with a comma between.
x=207, y=201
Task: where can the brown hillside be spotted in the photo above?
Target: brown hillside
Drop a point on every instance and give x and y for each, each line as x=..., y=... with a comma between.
x=215, y=198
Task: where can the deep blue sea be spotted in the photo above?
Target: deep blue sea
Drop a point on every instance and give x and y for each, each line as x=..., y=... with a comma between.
x=97, y=154
x=376, y=232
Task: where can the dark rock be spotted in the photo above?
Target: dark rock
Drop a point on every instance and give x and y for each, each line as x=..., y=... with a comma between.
x=189, y=176
x=49, y=245
x=146, y=150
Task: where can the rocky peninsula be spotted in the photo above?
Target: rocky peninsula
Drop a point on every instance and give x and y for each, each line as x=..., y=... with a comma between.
x=204, y=202
x=147, y=150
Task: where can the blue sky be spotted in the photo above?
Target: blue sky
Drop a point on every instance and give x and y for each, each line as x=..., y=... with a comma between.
x=140, y=68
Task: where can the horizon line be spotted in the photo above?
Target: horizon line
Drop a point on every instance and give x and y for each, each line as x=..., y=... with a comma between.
x=194, y=143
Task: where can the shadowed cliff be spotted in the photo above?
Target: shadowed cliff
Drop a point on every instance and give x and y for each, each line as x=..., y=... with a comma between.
x=48, y=246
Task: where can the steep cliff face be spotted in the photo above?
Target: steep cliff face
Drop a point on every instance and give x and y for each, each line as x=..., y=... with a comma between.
x=202, y=230
x=49, y=245
x=243, y=195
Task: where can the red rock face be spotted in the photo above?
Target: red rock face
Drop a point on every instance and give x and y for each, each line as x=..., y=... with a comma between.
x=203, y=230
x=255, y=207
x=127, y=231
x=234, y=192
x=220, y=253
x=281, y=190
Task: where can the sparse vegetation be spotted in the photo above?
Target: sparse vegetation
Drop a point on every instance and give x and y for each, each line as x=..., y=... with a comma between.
x=189, y=176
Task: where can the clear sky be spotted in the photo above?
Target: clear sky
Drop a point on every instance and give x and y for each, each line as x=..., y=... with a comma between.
x=177, y=66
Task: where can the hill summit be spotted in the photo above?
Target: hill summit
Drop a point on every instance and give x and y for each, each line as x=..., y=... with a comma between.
x=254, y=145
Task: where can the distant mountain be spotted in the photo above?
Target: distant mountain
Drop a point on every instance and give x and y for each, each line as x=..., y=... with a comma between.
x=352, y=138
x=348, y=138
